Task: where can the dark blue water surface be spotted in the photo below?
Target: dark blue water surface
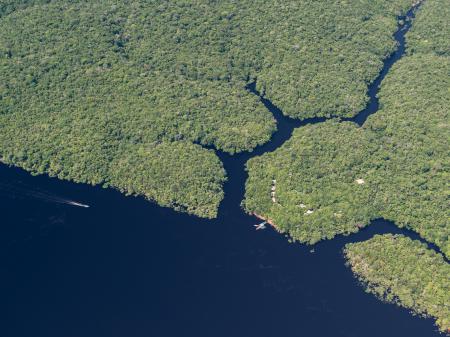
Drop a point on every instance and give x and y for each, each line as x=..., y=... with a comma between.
x=125, y=267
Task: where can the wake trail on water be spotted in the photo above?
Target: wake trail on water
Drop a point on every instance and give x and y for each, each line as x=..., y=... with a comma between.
x=20, y=190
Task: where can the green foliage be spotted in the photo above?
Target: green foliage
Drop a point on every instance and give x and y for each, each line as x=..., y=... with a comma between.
x=431, y=30
x=86, y=59
x=319, y=57
x=400, y=270
x=176, y=181
x=9, y=6
x=89, y=84
x=412, y=127
x=315, y=170
x=401, y=154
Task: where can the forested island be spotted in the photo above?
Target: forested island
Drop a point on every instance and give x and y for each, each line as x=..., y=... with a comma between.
x=142, y=97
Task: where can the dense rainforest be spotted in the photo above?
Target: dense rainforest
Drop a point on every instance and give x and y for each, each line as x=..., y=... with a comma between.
x=403, y=271
x=335, y=177
x=124, y=94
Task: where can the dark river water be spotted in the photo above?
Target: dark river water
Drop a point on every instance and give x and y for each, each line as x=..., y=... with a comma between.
x=125, y=267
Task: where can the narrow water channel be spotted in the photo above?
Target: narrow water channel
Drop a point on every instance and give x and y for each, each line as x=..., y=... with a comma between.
x=125, y=267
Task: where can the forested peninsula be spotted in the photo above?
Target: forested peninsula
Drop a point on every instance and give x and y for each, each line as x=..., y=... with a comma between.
x=126, y=94
x=403, y=271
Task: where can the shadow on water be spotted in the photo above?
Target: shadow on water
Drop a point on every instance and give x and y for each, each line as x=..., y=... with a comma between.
x=126, y=267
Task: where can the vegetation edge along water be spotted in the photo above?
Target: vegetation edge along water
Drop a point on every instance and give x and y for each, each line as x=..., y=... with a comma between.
x=86, y=96
x=399, y=270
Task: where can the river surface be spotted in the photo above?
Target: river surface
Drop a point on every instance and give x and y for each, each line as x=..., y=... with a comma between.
x=125, y=267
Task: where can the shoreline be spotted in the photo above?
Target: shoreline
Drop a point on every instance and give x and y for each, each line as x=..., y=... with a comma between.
x=269, y=221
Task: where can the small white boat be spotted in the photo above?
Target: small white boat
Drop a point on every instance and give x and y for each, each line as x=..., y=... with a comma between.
x=262, y=225
x=74, y=203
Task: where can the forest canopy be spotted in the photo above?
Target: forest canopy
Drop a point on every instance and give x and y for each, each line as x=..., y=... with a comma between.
x=89, y=86
x=403, y=271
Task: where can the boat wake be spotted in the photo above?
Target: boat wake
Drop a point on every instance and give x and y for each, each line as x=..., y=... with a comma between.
x=74, y=203
x=18, y=190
